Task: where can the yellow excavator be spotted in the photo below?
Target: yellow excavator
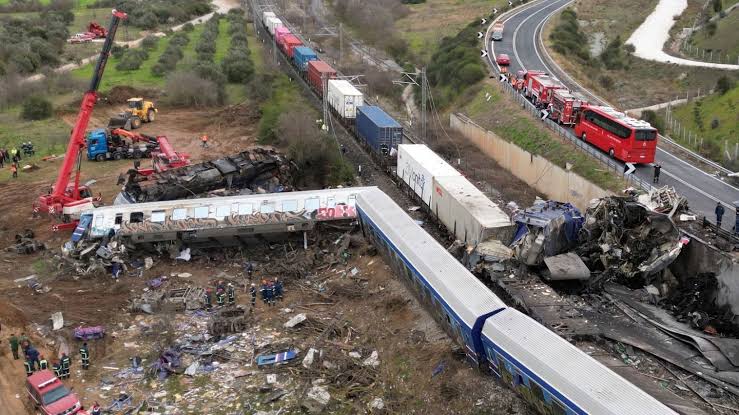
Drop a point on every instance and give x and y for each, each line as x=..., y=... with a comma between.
x=139, y=111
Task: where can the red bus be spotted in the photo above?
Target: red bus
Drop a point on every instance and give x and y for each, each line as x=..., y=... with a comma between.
x=624, y=138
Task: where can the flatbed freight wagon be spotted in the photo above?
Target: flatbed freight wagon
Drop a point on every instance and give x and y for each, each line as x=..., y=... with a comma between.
x=379, y=130
x=317, y=70
x=288, y=43
x=302, y=55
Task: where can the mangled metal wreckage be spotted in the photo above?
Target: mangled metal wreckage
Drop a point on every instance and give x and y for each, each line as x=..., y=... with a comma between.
x=255, y=170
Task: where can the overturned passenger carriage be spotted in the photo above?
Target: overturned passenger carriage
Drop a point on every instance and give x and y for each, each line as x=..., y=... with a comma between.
x=221, y=221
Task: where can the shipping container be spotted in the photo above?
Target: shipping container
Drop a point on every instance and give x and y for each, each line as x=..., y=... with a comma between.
x=316, y=70
x=417, y=167
x=288, y=43
x=267, y=15
x=344, y=98
x=280, y=32
x=467, y=213
x=273, y=23
x=379, y=130
x=302, y=55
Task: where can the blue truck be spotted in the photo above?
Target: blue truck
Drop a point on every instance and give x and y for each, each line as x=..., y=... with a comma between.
x=118, y=144
x=379, y=130
x=302, y=55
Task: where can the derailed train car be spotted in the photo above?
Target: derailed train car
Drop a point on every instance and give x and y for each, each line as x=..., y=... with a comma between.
x=551, y=374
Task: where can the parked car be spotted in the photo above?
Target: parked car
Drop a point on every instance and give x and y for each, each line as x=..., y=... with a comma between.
x=81, y=37
x=49, y=395
x=503, y=59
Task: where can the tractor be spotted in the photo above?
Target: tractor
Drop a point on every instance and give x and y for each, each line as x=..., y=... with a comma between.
x=138, y=111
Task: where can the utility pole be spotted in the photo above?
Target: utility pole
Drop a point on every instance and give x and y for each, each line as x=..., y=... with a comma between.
x=324, y=88
x=341, y=43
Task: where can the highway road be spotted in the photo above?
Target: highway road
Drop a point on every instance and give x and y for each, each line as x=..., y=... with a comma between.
x=522, y=43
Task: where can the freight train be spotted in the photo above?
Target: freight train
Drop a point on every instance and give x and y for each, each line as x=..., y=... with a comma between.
x=551, y=374
x=622, y=137
x=371, y=125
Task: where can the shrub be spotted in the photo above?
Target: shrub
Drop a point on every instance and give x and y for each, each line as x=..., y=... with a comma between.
x=718, y=5
x=36, y=108
x=567, y=37
x=611, y=56
x=188, y=27
x=150, y=42
x=132, y=60
x=190, y=90
x=711, y=28
x=606, y=82
x=147, y=20
x=237, y=66
x=714, y=123
x=652, y=118
x=724, y=85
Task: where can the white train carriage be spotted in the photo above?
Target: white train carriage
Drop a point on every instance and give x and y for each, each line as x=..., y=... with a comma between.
x=456, y=298
x=222, y=218
x=556, y=377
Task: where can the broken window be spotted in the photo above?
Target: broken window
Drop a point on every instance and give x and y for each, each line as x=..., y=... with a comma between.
x=118, y=218
x=179, y=214
x=137, y=217
x=267, y=208
x=158, y=216
x=289, y=205
x=201, y=212
x=245, y=209
x=223, y=211
x=331, y=202
x=99, y=222
x=312, y=204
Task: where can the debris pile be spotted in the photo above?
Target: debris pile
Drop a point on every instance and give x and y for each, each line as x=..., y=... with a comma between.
x=25, y=244
x=622, y=239
x=256, y=170
x=545, y=229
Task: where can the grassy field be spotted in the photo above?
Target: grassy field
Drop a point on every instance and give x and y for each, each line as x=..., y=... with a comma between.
x=223, y=40
x=698, y=117
x=428, y=22
x=504, y=117
x=726, y=38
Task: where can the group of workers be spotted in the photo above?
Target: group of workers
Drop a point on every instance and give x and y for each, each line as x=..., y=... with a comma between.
x=35, y=361
x=271, y=291
x=225, y=294
x=13, y=157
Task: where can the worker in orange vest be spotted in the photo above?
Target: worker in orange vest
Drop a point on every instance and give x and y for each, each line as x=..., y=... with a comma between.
x=204, y=141
x=14, y=170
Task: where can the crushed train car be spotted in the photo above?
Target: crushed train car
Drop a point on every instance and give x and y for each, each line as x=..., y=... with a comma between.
x=624, y=239
x=545, y=229
x=246, y=172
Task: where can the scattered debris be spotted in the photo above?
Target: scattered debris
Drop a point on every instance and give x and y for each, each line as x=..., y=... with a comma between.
x=546, y=229
x=277, y=358
x=567, y=266
x=57, y=321
x=25, y=244
x=89, y=333
x=373, y=360
x=296, y=320
x=316, y=399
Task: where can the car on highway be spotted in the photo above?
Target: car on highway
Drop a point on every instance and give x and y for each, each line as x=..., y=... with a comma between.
x=503, y=59
x=81, y=37
x=49, y=395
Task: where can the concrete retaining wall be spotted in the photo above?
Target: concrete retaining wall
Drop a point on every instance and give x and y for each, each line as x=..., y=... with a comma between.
x=553, y=181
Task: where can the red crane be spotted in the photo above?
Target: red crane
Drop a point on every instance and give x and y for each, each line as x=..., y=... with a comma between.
x=65, y=199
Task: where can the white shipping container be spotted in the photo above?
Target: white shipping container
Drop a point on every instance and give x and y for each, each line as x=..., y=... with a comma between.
x=417, y=167
x=344, y=98
x=273, y=23
x=267, y=15
x=468, y=213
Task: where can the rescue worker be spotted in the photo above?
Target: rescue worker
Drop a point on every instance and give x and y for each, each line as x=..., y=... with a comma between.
x=278, y=289
x=27, y=366
x=657, y=168
x=719, y=213
x=57, y=367
x=32, y=357
x=204, y=141
x=231, y=294
x=248, y=269
x=266, y=292
x=66, y=363
x=253, y=292
x=25, y=343
x=208, y=299
x=115, y=269
x=14, y=170
x=220, y=297
x=85, y=356
x=96, y=409
x=14, y=346
x=43, y=364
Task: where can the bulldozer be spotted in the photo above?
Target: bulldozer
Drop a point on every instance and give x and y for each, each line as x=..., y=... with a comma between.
x=139, y=111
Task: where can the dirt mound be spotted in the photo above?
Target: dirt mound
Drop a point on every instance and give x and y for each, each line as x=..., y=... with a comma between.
x=119, y=94
x=239, y=114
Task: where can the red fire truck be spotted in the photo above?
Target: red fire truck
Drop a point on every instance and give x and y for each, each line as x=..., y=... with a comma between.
x=539, y=88
x=565, y=106
x=624, y=138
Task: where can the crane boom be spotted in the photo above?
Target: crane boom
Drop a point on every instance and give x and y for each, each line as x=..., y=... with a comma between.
x=62, y=194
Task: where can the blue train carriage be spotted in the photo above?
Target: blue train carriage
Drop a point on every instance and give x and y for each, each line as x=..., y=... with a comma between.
x=301, y=56
x=554, y=376
x=378, y=129
x=458, y=300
